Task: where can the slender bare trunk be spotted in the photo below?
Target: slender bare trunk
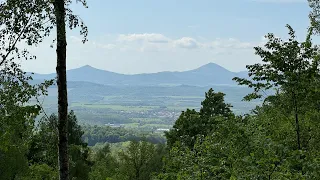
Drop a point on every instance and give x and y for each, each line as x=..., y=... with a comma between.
x=62, y=90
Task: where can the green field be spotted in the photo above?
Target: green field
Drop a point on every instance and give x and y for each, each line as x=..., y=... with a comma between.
x=114, y=107
x=138, y=107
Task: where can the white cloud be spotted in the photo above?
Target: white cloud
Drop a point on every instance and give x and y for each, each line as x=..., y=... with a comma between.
x=230, y=43
x=151, y=38
x=158, y=42
x=148, y=42
x=186, y=42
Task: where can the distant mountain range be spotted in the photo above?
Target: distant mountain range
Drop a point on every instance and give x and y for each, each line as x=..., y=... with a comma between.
x=209, y=74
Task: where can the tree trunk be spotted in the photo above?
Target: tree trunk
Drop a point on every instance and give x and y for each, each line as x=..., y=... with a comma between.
x=62, y=90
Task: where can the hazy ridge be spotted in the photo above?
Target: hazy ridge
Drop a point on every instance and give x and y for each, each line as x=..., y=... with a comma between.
x=209, y=74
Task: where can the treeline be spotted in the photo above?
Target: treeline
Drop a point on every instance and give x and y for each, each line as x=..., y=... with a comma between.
x=278, y=140
x=139, y=161
x=102, y=134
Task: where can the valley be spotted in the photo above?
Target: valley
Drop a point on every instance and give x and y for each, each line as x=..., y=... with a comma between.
x=140, y=107
x=141, y=103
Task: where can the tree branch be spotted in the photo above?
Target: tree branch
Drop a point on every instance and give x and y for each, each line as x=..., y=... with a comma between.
x=10, y=49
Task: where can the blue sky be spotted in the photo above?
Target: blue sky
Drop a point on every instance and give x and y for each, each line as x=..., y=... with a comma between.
x=143, y=36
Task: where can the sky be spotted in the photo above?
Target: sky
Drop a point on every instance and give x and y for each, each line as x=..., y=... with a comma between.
x=146, y=36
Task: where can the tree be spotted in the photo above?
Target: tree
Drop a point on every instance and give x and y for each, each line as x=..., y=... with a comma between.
x=105, y=165
x=60, y=18
x=31, y=21
x=185, y=129
x=191, y=123
x=289, y=115
x=16, y=119
x=135, y=161
x=43, y=150
x=218, y=155
x=21, y=21
x=62, y=89
x=315, y=15
x=214, y=105
x=40, y=172
x=203, y=144
x=17, y=25
x=290, y=67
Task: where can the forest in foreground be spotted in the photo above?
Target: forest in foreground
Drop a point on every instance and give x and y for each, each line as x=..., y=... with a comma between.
x=276, y=140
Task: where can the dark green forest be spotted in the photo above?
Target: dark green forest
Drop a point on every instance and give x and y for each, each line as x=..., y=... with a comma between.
x=279, y=139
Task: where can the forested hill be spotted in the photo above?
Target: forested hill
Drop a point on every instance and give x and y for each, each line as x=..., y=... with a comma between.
x=209, y=74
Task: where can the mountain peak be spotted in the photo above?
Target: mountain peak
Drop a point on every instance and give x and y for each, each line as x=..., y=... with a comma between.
x=87, y=67
x=211, y=67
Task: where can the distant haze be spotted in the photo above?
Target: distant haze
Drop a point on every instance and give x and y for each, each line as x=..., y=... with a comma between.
x=209, y=74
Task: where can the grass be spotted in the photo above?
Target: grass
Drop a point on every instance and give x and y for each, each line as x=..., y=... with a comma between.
x=149, y=126
x=114, y=147
x=131, y=125
x=148, y=120
x=115, y=107
x=164, y=126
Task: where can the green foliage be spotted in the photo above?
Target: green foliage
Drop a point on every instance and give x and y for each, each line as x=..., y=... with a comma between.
x=106, y=134
x=211, y=157
x=191, y=123
x=274, y=152
x=292, y=68
x=314, y=16
x=185, y=129
x=44, y=150
x=287, y=65
x=40, y=172
x=16, y=119
x=278, y=141
x=105, y=165
x=138, y=160
x=214, y=105
x=26, y=21
x=29, y=22
x=135, y=162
